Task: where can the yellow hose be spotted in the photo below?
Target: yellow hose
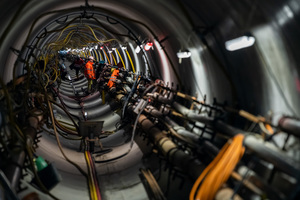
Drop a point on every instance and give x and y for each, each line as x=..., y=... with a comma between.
x=114, y=58
x=96, y=55
x=130, y=60
x=106, y=56
x=100, y=55
x=219, y=170
x=121, y=58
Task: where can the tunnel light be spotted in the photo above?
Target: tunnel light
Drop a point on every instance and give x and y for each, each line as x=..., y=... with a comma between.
x=288, y=11
x=148, y=46
x=137, y=49
x=184, y=54
x=239, y=43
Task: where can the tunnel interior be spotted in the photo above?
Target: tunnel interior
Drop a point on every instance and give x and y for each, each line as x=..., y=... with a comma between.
x=191, y=113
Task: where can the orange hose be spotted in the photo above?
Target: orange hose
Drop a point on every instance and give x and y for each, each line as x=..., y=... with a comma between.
x=219, y=170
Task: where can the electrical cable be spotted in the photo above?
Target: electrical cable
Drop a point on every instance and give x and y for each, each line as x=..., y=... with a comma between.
x=113, y=58
x=58, y=141
x=39, y=182
x=133, y=89
x=69, y=115
x=64, y=136
x=121, y=58
x=6, y=94
x=128, y=56
x=219, y=170
x=94, y=176
x=106, y=56
x=132, y=138
x=65, y=129
x=158, y=194
x=90, y=178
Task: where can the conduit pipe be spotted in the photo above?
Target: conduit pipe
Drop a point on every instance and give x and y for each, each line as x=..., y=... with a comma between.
x=264, y=150
x=169, y=149
x=290, y=125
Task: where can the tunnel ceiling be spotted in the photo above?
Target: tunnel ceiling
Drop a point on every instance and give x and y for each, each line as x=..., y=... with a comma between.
x=204, y=31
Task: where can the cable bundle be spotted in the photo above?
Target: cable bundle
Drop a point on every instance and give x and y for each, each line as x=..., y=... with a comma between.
x=219, y=170
x=92, y=178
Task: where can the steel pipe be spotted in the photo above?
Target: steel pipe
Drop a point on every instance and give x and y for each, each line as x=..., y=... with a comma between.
x=290, y=125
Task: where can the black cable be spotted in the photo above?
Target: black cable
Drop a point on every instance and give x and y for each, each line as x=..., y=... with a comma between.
x=133, y=90
x=157, y=193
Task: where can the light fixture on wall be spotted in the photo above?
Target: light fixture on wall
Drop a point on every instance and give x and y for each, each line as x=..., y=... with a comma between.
x=137, y=49
x=184, y=54
x=239, y=43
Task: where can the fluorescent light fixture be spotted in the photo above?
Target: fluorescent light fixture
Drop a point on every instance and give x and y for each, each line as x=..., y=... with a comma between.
x=288, y=11
x=239, y=43
x=184, y=54
x=137, y=49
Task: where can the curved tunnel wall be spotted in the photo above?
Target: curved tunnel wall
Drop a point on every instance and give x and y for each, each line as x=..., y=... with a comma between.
x=256, y=75
x=259, y=79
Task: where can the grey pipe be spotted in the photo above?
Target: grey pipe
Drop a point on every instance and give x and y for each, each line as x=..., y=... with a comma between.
x=169, y=149
x=269, y=153
x=263, y=149
x=181, y=130
x=290, y=125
